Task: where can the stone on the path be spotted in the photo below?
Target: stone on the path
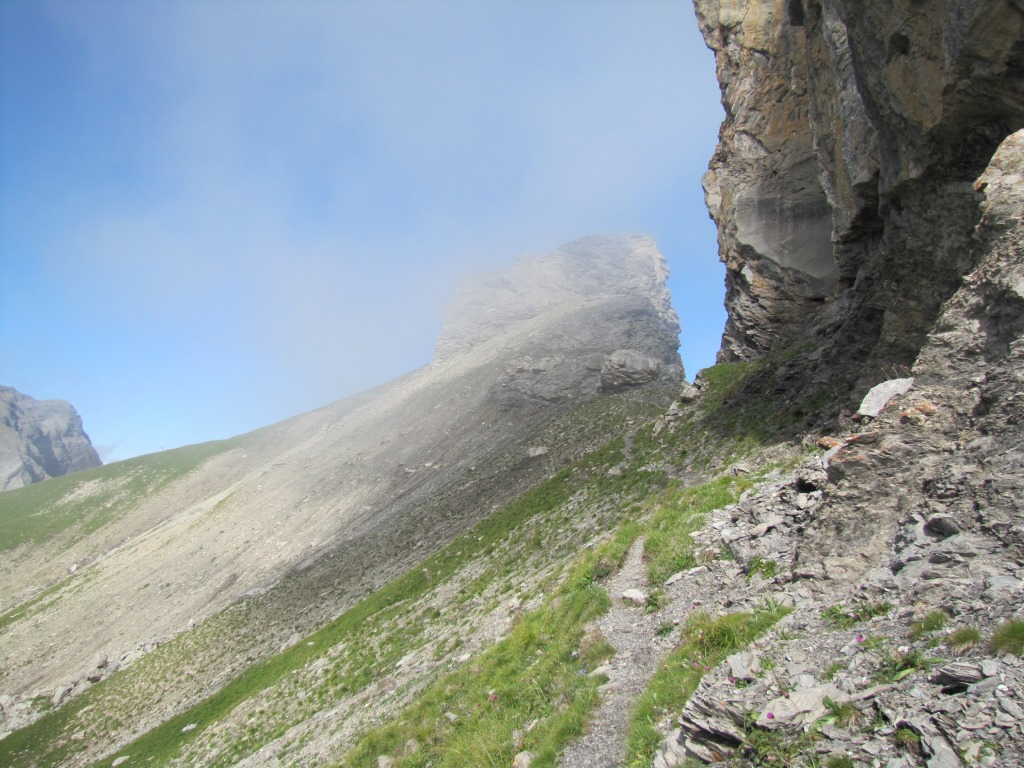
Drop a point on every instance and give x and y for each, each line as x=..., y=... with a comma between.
x=801, y=707
x=635, y=596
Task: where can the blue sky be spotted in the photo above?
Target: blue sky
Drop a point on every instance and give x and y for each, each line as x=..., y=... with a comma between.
x=217, y=214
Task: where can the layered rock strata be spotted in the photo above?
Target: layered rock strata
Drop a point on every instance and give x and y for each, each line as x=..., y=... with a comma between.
x=842, y=184
x=910, y=516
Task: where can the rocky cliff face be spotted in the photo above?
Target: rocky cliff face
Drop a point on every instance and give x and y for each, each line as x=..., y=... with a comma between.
x=40, y=439
x=913, y=513
x=868, y=194
x=843, y=182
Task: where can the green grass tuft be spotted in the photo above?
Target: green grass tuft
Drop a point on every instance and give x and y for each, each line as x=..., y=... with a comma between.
x=933, y=622
x=843, y=715
x=763, y=567
x=907, y=739
x=897, y=666
x=845, y=617
x=963, y=639
x=668, y=547
x=832, y=670
x=1009, y=637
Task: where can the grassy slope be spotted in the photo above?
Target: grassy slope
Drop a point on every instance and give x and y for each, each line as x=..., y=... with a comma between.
x=48, y=741
x=84, y=502
x=541, y=647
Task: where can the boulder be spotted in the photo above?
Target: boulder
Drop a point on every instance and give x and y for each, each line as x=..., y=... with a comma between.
x=627, y=368
x=879, y=396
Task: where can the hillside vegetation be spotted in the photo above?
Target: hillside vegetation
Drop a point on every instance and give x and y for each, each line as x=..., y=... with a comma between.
x=468, y=645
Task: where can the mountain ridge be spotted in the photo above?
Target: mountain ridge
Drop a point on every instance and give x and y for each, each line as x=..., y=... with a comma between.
x=798, y=579
x=278, y=501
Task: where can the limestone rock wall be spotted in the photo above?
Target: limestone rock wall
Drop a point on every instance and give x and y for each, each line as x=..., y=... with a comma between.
x=842, y=185
x=40, y=439
x=916, y=511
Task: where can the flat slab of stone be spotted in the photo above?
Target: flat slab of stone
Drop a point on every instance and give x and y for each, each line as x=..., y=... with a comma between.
x=879, y=395
x=635, y=596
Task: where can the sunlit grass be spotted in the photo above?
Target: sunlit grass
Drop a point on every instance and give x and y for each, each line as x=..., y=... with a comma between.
x=94, y=497
x=705, y=642
x=669, y=544
x=1009, y=637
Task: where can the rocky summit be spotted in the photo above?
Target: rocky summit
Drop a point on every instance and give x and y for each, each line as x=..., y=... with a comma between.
x=40, y=439
x=567, y=309
x=545, y=548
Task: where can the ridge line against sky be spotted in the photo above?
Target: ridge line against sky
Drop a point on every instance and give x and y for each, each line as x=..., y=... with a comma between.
x=217, y=215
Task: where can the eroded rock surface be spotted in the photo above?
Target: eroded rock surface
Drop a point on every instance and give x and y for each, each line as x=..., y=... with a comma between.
x=40, y=439
x=842, y=185
x=911, y=515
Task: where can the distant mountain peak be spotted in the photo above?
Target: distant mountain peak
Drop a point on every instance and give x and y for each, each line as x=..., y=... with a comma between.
x=40, y=439
x=591, y=269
